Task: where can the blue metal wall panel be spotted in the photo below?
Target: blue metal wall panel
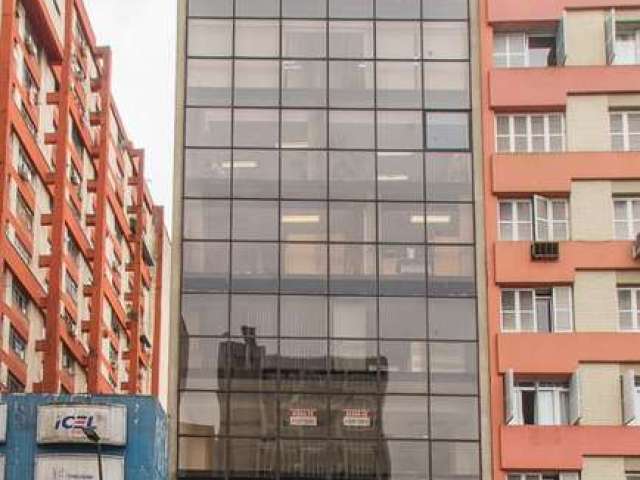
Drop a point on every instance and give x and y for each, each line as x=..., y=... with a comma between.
x=145, y=453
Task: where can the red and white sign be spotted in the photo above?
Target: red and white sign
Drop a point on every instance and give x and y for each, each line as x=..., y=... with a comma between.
x=303, y=417
x=356, y=417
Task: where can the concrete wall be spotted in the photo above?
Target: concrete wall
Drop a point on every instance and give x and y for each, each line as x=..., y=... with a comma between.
x=591, y=211
x=584, y=36
x=601, y=394
x=587, y=123
x=598, y=468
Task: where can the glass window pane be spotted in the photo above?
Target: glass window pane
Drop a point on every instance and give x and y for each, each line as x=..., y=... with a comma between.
x=205, y=314
x=455, y=460
x=254, y=267
x=351, y=8
x=398, y=8
x=454, y=418
x=454, y=368
x=355, y=416
x=255, y=128
x=257, y=83
x=446, y=130
x=352, y=222
x=210, y=38
x=402, y=270
x=352, y=269
x=255, y=220
x=255, y=173
x=404, y=416
x=449, y=223
x=206, y=219
x=251, y=414
x=351, y=129
x=207, y=173
x=451, y=271
x=257, y=38
x=301, y=458
x=303, y=221
x=404, y=367
x=351, y=39
x=252, y=363
x=304, y=83
x=446, y=85
x=207, y=127
x=401, y=222
x=398, y=40
x=304, y=268
x=447, y=9
x=303, y=316
x=205, y=267
x=201, y=455
x=352, y=175
x=304, y=38
x=403, y=317
x=445, y=40
x=400, y=176
x=254, y=315
x=407, y=460
x=448, y=176
x=210, y=8
x=304, y=174
x=353, y=317
x=208, y=82
x=351, y=84
x=202, y=363
x=304, y=416
x=304, y=8
x=250, y=457
x=200, y=413
x=452, y=318
x=354, y=365
x=304, y=129
x=303, y=365
x=399, y=130
x=257, y=8
x=398, y=84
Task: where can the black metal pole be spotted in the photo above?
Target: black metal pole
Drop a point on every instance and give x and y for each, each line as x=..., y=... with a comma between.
x=99, y=449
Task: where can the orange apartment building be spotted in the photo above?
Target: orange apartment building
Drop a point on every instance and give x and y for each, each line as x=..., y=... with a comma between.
x=83, y=245
x=561, y=118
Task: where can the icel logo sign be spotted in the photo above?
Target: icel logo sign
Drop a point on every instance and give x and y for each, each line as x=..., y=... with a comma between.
x=74, y=422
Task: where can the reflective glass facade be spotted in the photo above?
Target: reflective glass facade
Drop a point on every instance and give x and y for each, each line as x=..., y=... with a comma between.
x=328, y=325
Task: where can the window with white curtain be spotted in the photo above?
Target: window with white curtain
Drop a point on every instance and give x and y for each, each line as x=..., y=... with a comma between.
x=537, y=310
x=550, y=216
x=530, y=132
x=542, y=403
x=626, y=218
x=523, y=49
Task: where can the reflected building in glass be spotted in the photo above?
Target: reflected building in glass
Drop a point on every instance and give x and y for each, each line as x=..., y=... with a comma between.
x=325, y=218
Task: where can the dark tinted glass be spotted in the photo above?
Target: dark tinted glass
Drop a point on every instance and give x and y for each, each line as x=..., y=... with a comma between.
x=455, y=460
x=451, y=271
x=453, y=368
x=213, y=8
x=407, y=460
x=303, y=316
x=205, y=267
x=252, y=415
x=454, y=418
x=206, y=219
x=403, y=317
x=351, y=8
x=352, y=175
x=352, y=269
x=446, y=130
x=405, y=417
x=448, y=176
x=448, y=9
x=208, y=82
x=254, y=314
x=205, y=314
x=452, y=318
x=304, y=174
x=208, y=127
x=403, y=366
x=449, y=223
x=398, y=8
x=207, y=173
x=304, y=8
x=255, y=173
x=402, y=270
x=202, y=363
x=255, y=220
x=254, y=267
x=200, y=413
x=257, y=8
x=352, y=317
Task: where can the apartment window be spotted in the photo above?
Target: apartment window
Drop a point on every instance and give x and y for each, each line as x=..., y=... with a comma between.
x=24, y=212
x=542, y=403
x=625, y=131
x=17, y=344
x=523, y=49
x=632, y=476
x=629, y=308
x=550, y=216
x=67, y=361
x=627, y=43
x=626, y=218
x=25, y=168
x=71, y=287
x=22, y=250
x=544, y=476
x=537, y=310
x=14, y=385
x=20, y=298
x=543, y=132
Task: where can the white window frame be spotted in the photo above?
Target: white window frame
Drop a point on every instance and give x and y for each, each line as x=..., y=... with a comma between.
x=529, y=132
x=524, y=38
x=515, y=222
x=518, y=311
x=543, y=476
x=635, y=306
x=629, y=220
x=636, y=33
x=625, y=133
x=557, y=390
x=637, y=402
x=550, y=221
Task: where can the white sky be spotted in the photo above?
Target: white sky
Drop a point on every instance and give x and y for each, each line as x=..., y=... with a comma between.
x=142, y=36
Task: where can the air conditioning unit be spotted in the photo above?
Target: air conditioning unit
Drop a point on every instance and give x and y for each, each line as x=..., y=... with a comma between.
x=545, y=250
x=24, y=172
x=635, y=248
x=30, y=43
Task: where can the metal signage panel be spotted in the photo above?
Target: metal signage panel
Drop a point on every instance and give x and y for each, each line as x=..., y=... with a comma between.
x=3, y=423
x=74, y=467
x=65, y=423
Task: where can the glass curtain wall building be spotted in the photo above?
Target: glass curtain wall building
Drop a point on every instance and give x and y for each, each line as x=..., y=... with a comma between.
x=328, y=296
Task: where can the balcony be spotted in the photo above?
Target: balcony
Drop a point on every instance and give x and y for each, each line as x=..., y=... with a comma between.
x=513, y=264
x=563, y=447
